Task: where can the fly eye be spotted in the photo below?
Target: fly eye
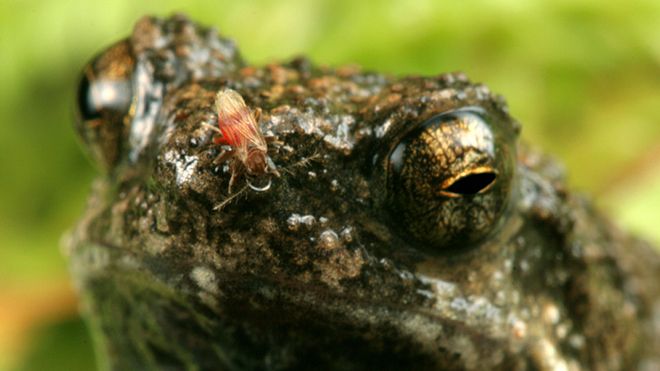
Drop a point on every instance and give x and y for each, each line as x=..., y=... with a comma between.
x=449, y=179
x=104, y=98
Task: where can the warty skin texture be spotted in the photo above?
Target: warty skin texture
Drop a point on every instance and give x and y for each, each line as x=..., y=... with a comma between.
x=320, y=269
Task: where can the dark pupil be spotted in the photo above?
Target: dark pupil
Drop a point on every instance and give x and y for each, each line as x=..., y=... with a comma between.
x=471, y=184
x=87, y=109
x=98, y=95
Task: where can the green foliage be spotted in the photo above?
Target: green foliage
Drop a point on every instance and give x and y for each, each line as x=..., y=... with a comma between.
x=64, y=346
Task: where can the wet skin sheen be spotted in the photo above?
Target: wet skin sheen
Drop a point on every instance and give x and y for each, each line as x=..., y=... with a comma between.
x=407, y=228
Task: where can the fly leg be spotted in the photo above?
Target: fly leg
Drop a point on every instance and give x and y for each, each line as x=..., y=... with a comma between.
x=228, y=155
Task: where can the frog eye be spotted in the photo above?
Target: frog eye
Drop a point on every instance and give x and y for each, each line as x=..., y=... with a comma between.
x=449, y=179
x=103, y=103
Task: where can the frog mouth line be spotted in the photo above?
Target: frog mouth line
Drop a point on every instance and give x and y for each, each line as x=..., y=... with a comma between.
x=293, y=291
x=335, y=305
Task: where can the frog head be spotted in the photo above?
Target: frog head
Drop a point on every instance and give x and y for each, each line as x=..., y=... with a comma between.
x=406, y=226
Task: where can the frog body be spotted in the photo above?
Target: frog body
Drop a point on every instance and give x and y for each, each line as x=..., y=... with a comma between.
x=407, y=227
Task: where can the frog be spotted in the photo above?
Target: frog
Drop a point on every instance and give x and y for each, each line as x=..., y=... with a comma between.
x=400, y=223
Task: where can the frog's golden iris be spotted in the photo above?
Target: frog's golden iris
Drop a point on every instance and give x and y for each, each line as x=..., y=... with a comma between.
x=449, y=178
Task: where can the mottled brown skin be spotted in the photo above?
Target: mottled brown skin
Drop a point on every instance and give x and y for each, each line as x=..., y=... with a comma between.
x=326, y=269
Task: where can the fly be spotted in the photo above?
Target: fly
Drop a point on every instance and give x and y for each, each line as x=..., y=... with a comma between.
x=242, y=139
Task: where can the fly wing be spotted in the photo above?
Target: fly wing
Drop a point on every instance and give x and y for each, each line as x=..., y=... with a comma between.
x=236, y=122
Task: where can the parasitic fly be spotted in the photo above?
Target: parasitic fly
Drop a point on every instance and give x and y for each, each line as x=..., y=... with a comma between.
x=242, y=138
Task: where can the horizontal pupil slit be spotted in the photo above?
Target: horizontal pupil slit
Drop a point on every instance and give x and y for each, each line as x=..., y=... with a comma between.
x=471, y=184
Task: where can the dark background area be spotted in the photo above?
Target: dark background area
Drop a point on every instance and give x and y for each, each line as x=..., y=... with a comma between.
x=583, y=77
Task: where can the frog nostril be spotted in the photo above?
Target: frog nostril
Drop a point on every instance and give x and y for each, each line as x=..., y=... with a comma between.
x=472, y=183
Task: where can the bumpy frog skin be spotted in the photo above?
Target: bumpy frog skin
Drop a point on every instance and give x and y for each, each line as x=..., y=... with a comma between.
x=407, y=228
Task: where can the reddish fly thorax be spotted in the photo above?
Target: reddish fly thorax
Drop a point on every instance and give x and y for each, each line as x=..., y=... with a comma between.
x=237, y=124
x=241, y=132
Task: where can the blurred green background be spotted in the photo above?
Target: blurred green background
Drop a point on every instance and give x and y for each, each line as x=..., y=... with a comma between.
x=582, y=76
